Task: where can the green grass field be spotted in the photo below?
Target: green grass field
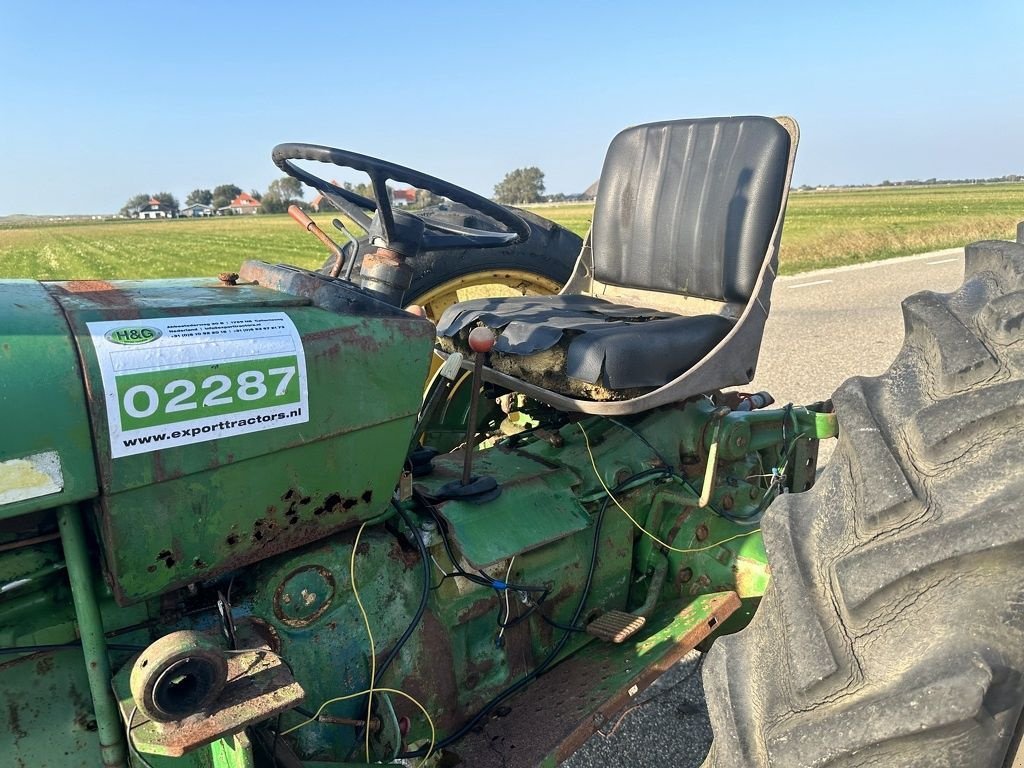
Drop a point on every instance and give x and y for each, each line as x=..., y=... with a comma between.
x=822, y=229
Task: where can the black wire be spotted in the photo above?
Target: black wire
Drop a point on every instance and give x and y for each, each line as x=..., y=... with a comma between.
x=417, y=617
x=549, y=659
x=131, y=740
x=558, y=624
x=424, y=596
x=636, y=433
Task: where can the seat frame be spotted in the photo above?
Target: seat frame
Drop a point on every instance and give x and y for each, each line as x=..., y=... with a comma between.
x=732, y=362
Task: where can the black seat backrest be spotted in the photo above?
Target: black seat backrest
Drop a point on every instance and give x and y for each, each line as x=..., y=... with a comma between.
x=689, y=206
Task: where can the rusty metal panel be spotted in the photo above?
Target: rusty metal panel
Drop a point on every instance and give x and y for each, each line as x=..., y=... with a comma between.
x=182, y=514
x=545, y=723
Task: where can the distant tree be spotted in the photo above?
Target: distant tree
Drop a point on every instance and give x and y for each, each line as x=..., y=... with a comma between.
x=200, y=196
x=281, y=193
x=256, y=194
x=366, y=190
x=523, y=185
x=425, y=199
x=134, y=203
x=166, y=198
x=224, y=194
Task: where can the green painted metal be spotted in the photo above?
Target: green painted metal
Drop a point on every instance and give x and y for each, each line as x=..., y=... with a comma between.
x=41, y=398
x=536, y=509
x=258, y=494
x=48, y=719
x=233, y=752
x=270, y=518
x=94, y=646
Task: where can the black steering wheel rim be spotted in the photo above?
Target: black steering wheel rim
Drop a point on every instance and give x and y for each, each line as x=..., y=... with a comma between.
x=380, y=171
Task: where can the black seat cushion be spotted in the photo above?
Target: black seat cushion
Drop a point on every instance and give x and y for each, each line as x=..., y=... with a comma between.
x=615, y=346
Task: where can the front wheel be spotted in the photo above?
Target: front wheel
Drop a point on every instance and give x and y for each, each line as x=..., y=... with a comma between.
x=892, y=633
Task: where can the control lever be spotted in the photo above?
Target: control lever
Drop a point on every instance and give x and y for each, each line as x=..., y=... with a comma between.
x=310, y=226
x=709, y=473
x=481, y=341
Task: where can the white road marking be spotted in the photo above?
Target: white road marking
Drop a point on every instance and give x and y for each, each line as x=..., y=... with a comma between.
x=953, y=252
x=941, y=261
x=808, y=285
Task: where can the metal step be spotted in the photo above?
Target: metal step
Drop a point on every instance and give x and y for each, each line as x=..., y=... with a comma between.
x=615, y=626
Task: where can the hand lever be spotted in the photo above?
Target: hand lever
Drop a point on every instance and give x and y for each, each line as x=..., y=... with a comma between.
x=310, y=226
x=481, y=341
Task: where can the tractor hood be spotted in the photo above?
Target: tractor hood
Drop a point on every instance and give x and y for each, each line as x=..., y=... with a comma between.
x=46, y=456
x=221, y=421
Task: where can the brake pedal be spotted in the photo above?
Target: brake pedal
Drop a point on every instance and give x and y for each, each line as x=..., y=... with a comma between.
x=615, y=626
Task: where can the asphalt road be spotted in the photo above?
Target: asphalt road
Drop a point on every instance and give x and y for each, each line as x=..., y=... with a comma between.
x=824, y=327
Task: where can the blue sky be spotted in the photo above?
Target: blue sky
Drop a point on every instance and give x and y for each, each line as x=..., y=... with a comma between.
x=101, y=101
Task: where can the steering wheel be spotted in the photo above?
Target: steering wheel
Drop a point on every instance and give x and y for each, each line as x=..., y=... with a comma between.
x=399, y=231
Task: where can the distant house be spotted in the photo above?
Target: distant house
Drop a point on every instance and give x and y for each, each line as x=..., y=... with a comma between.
x=399, y=197
x=243, y=203
x=154, y=209
x=591, y=192
x=403, y=197
x=196, y=211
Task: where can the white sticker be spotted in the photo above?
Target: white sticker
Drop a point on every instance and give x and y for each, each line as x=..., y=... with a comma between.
x=174, y=381
x=30, y=477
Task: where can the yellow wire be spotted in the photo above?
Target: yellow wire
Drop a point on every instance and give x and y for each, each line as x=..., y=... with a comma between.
x=369, y=634
x=433, y=733
x=632, y=519
x=373, y=669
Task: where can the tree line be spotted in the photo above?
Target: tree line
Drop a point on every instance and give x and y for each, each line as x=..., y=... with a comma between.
x=280, y=194
x=520, y=186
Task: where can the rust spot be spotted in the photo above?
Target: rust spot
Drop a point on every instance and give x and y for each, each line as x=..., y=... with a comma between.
x=433, y=679
x=304, y=500
x=199, y=564
x=87, y=286
x=14, y=721
x=288, y=494
x=231, y=540
x=480, y=608
x=168, y=557
x=367, y=497
x=408, y=558
x=329, y=505
x=100, y=292
x=44, y=665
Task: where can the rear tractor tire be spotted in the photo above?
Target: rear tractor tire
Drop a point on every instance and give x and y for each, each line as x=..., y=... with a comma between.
x=892, y=633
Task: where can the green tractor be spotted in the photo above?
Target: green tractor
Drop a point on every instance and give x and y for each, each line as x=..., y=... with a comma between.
x=235, y=531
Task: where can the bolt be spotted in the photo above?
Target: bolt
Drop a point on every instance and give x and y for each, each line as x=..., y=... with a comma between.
x=740, y=441
x=727, y=501
x=702, y=532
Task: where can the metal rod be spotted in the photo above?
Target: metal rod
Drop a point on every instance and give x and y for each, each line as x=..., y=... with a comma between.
x=94, y=644
x=474, y=407
x=20, y=543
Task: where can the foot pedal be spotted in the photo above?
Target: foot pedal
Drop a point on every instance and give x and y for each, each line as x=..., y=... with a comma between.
x=615, y=626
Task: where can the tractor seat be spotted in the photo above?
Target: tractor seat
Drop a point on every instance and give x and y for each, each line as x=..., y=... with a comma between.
x=584, y=346
x=671, y=291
